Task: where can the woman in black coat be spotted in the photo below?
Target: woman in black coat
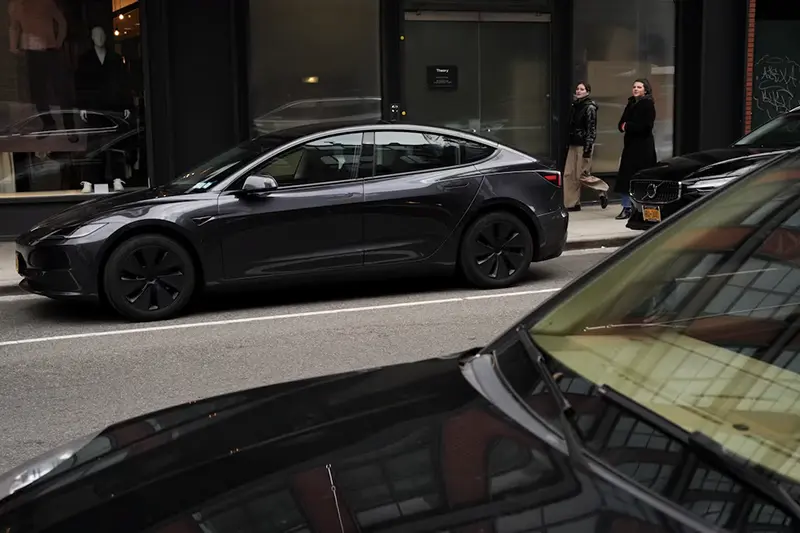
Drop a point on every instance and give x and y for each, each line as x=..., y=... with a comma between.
x=639, y=151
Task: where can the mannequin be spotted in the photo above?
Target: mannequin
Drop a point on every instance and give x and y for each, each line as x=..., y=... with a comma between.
x=38, y=29
x=102, y=80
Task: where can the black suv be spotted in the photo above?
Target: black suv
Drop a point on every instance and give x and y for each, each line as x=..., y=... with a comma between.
x=661, y=191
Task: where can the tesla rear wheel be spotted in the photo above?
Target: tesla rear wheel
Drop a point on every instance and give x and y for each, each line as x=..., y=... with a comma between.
x=496, y=251
x=149, y=277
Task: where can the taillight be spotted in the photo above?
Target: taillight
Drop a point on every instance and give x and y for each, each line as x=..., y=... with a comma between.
x=552, y=176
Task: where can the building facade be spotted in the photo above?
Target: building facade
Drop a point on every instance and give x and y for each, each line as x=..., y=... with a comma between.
x=98, y=95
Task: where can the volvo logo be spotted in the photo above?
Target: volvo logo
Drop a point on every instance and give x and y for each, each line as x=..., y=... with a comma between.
x=652, y=189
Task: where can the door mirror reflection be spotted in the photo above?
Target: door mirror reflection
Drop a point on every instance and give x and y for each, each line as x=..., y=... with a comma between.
x=258, y=184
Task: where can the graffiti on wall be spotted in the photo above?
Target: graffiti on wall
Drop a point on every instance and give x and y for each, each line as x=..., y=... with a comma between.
x=776, y=89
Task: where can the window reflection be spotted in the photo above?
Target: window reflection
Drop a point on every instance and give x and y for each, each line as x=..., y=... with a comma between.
x=615, y=42
x=391, y=483
x=333, y=75
x=275, y=512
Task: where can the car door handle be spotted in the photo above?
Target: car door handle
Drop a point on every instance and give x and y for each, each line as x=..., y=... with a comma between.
x=450, y=186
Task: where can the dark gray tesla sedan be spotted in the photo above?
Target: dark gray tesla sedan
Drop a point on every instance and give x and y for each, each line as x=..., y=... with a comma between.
x=305, y=203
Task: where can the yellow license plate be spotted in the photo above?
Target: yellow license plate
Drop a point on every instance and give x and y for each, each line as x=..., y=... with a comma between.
x=651, y=214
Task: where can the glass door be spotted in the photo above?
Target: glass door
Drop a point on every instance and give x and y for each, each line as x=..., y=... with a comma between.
x=487, y=73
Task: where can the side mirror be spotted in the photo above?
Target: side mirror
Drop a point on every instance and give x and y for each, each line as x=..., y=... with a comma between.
x=257, y=185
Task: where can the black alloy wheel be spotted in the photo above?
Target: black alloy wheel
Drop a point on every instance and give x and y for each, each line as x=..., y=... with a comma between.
x=496, y=251
x=149, y=277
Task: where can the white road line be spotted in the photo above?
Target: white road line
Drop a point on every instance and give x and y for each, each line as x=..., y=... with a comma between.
x=264, y=318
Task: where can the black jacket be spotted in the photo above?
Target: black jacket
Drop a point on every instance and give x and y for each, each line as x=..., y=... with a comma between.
x=103, y=86
x=583, y=124
x=639, y=150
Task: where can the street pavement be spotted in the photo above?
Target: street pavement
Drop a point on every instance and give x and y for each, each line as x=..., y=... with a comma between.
x=66, y=370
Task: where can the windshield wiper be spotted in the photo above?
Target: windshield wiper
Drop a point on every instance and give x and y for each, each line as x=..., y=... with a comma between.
x=572, y=433
x=704, y=445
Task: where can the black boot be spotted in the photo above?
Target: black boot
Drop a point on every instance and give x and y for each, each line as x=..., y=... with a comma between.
x=624, y=214
x=603, y=201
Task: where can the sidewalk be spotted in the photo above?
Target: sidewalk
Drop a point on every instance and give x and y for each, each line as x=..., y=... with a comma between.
x=591, y=228
x=595, y=228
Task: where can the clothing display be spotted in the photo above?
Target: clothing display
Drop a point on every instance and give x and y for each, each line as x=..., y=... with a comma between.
x=101, y=79
x=50, y=84
x=38, y=29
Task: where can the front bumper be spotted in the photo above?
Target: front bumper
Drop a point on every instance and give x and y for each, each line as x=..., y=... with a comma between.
x=60, y=270
x=637, y=221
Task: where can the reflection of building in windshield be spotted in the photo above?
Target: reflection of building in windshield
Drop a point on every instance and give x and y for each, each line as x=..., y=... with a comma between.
x=474, y=471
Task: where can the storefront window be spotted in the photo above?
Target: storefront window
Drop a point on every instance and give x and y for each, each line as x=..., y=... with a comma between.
x=313, y=61
x=615, y=42
x=71, y=102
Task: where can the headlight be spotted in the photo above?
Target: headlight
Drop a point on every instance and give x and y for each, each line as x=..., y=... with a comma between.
x=84, y=231
x=37, y=468
x=708, y=185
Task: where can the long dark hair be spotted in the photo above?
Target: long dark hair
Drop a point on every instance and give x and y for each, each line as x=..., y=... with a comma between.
x=648, y=89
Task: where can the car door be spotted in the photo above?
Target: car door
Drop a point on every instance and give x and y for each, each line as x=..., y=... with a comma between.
x=421, y=186
x=311, y=223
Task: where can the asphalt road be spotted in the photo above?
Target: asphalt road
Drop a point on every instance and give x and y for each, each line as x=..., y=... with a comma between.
x=67, y=370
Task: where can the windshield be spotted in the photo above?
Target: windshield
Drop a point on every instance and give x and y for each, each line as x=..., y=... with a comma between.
x=780, y=131
x=701, y=322
x=211, y=173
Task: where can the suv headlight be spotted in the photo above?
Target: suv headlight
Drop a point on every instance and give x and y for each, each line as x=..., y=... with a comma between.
x=707, y=185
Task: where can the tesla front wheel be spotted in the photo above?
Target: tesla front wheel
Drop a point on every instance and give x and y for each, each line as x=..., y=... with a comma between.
x=149, y=277
x=496, y=251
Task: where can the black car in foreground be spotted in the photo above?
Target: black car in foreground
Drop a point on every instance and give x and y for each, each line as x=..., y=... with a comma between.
x=659, y=192
x=660, y=392
x=300, y=204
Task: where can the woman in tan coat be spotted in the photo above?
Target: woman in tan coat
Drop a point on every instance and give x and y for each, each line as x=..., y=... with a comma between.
x=582, y=134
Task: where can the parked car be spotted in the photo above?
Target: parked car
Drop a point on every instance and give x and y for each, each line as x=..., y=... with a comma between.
x=29, y=135
x=661, y=191
x=300, y=204
x=657, y=393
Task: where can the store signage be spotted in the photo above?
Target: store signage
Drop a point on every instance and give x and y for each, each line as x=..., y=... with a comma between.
x=442, y=77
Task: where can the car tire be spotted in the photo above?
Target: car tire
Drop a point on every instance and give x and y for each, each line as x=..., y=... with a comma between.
x=496, y=251
x=149, y=277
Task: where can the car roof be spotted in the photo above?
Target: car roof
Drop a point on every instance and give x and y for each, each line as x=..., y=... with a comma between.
x=290, y=135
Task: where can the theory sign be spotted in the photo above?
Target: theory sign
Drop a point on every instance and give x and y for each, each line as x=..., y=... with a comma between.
x=442, y=77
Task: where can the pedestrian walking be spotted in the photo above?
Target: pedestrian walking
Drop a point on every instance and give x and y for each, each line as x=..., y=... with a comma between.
x=639, y=148
x=582, y=134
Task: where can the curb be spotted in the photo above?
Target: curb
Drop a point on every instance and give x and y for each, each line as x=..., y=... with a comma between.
x=10, y=288
x=612, y=242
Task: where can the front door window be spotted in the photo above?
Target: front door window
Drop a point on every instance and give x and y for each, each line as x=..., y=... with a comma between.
x=321, y=161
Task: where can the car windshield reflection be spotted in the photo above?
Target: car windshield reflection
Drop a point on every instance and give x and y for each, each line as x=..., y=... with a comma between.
x=701, y=323
x=783, y=130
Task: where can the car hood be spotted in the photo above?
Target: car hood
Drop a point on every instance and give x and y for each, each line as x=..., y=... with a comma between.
x=679, y=167
x=246, y=435
x=86, y=212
